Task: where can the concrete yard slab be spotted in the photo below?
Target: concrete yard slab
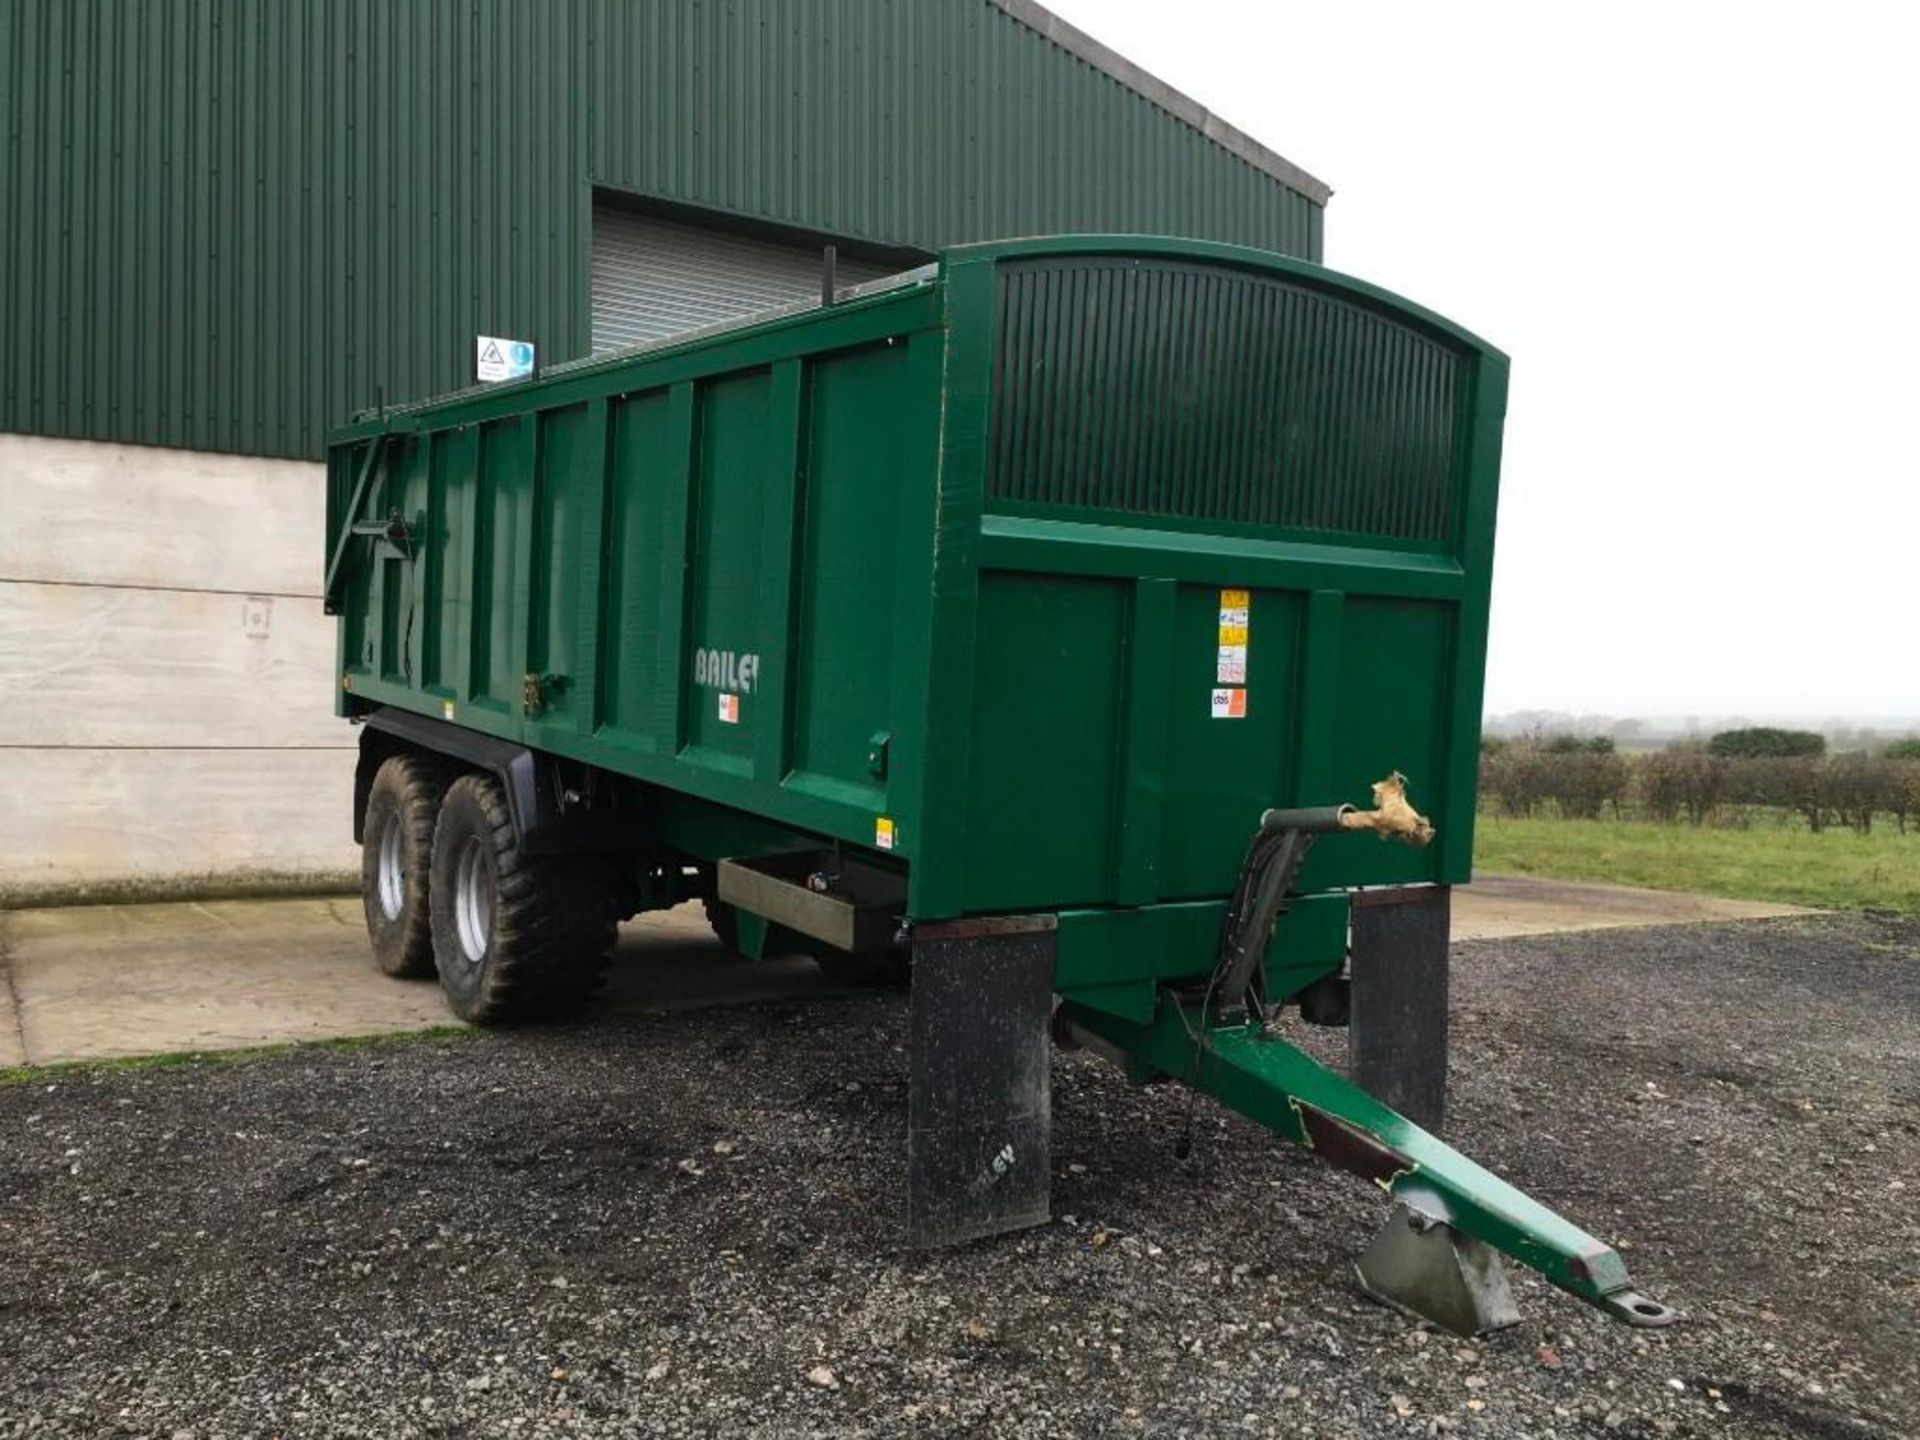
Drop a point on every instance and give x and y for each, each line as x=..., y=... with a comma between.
x=1496, y=907
x=13, y=1049
x=105, y=981
x=99, y=981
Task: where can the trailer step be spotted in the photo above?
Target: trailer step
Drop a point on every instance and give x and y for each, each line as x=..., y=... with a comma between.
x=838, y=900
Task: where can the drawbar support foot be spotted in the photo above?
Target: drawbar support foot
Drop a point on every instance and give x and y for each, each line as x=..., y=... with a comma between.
x=1429, y=1269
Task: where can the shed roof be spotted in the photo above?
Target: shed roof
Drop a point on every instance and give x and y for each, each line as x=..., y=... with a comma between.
x=1183, y=107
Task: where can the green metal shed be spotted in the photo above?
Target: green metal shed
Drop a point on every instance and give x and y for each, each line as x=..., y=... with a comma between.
x=227, y=224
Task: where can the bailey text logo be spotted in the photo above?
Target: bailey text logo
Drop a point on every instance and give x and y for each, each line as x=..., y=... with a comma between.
x=725, y=670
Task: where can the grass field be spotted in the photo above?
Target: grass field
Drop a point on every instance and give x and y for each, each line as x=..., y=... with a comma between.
x=1836, y=870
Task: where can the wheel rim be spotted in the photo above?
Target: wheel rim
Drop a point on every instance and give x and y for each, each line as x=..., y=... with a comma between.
x=473, y=901
x=391, y=880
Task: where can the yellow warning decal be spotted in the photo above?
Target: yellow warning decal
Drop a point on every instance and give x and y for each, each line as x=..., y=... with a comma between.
x=883, y=832
x=1230, y=663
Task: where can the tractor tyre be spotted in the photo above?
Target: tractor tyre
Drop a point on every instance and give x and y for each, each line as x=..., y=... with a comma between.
x=396, y=860
x=515, y=936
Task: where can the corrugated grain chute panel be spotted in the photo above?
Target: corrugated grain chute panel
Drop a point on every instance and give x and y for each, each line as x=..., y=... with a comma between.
x=1204, y=393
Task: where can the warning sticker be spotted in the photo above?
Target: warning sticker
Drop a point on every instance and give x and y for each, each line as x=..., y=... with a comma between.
x=1231, y=662
x=730, y=709
x=446, y=709
x=883, y=832
x=496, y=358
x=1230, y=704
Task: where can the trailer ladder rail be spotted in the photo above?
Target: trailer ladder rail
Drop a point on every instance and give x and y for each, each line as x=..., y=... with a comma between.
x=350, y=524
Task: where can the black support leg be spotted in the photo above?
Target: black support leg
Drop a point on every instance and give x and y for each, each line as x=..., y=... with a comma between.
x=1397, y=1046
x=980, y=1102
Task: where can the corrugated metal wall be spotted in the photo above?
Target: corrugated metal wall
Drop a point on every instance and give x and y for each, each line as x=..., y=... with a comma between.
x=226, y=224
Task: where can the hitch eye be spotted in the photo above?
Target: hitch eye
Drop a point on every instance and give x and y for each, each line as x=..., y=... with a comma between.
x=1638, y=1309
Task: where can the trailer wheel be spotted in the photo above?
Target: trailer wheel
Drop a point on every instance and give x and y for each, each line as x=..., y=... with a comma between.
x=396, y=856
x=515, y=936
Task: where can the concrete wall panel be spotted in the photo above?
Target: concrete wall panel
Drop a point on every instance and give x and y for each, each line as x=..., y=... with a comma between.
x=100, y=665
x=77, y=512
x=141, y=821
x=168, y=675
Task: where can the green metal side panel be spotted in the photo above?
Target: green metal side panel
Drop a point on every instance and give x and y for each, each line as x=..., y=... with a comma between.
x=228, y=223
x=1045, y=740
x=504, y=540
x=1215, y=767
x=704, y=567
x=1388, y=709
x=734, y=480
x=645, y=554
x=851, y=636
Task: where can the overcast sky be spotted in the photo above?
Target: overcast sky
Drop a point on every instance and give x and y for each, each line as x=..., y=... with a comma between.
x=1696, y=230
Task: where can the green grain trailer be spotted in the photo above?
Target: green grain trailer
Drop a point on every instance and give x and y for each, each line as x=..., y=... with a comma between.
x=1031, y=618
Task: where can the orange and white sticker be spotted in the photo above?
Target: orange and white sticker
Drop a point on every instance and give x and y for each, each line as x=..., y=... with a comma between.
x=883, y=832
x=1230, y=703
x=729, y=709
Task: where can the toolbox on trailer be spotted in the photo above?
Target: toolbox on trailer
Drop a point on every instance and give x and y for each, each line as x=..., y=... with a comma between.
x=1039, y=616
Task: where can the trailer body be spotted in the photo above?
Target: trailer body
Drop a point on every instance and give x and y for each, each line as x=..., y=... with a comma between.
x=984, y=611
x=957, y=573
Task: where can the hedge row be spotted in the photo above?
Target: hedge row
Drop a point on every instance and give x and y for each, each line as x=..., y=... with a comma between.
x=1690, y=782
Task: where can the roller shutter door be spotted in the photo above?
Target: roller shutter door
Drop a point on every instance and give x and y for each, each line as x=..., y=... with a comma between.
x=653, y=278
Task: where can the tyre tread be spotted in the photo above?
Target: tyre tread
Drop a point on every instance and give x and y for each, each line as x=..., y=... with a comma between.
x=554, y=926
x=414, y=784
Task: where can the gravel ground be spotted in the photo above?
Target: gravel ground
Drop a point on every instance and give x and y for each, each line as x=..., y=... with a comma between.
x=689, y=1224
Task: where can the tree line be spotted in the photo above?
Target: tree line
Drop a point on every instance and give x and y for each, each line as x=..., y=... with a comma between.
x=1725, y=778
